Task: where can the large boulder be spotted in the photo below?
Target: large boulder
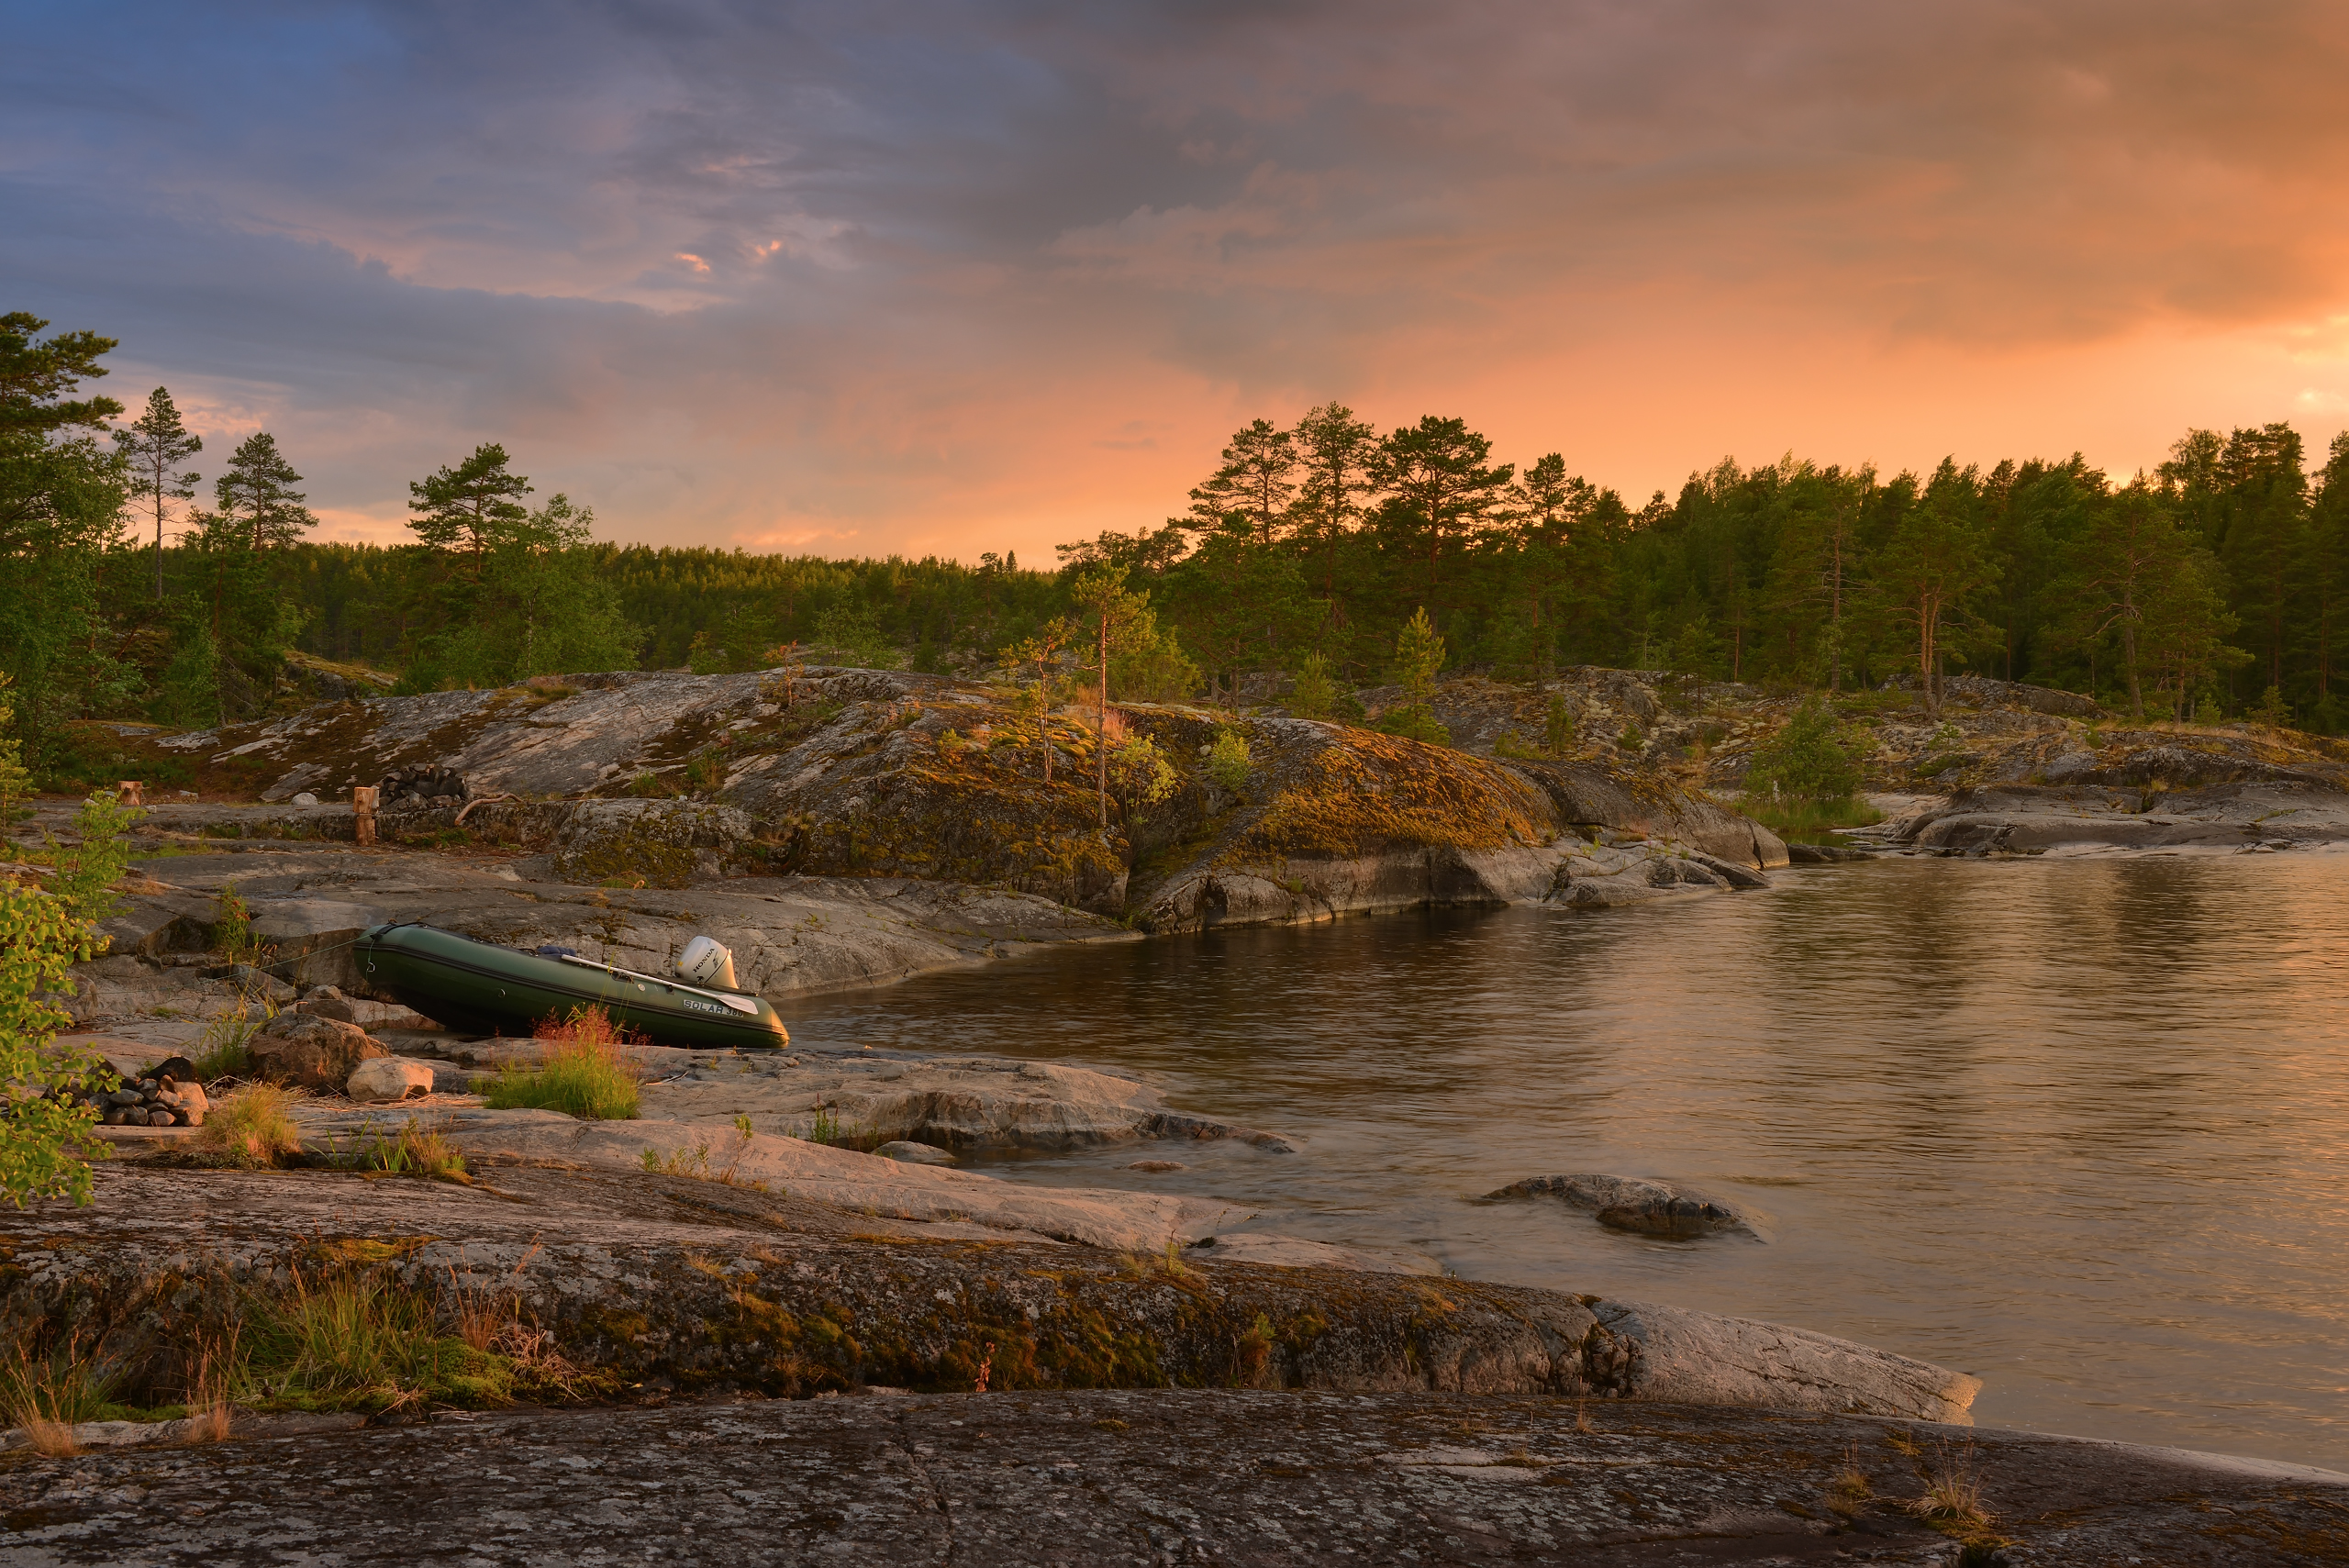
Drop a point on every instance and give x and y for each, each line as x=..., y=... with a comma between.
x=311, y=1052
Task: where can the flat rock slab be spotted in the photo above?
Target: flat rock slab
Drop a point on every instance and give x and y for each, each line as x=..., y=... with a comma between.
x=955, y=1102
x=710, y=1283
x=1114, y=1478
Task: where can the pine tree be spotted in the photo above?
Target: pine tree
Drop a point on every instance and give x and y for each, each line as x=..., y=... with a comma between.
x=257, y=494
x=471, y=506
x=152, y=448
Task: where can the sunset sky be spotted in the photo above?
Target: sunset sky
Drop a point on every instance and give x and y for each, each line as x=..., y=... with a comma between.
x=878, y=277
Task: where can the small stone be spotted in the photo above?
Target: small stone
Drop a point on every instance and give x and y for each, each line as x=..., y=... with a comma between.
x=914, y=1154
x=306, y=798
x=325, y=1002
x=388, y=1078
x=173, y=1067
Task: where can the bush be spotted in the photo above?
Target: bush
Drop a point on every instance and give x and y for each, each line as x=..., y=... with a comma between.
x=1809, y=758
x=45, y=1138
x=1229, y=763
x=86, y=876
x=1558, y=728
x=1314, y=694
x=585, y=1076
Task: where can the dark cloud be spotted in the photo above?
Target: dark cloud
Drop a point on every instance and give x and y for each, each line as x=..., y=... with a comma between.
x=873, y=274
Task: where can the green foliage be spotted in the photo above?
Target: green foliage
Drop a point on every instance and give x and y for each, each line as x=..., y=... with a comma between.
x=1140, y=773
x=1558, y=728
x=344, y=1340
x=417, y=1151
x=1810, y=758
x=87, y=873
x=47, y=1138
x=852, y=628
x=2271, y=710
x=1418, y=654
x=1228, y=762
x=1314, y=694
x=15, y=782
x=225, y=1049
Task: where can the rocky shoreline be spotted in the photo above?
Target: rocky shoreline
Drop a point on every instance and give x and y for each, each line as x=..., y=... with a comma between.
x=712, y=1258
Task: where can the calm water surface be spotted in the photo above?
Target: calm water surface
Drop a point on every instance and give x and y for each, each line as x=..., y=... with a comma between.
x=2076, y=1127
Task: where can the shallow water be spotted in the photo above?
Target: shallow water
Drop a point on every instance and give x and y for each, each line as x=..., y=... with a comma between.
x=2080, y=1127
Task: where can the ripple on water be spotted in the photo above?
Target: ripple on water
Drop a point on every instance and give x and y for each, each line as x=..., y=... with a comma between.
x=2078, y=1127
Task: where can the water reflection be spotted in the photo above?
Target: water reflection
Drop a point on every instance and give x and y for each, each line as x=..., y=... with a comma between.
x=2074, y=1126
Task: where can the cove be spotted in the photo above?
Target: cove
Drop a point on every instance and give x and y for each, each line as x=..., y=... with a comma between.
x=2080, y=1127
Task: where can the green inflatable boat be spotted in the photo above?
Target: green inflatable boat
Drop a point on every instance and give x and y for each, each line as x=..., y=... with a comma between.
x=482, y=988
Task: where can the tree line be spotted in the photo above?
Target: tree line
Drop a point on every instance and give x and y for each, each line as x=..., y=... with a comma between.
x=2215, y=585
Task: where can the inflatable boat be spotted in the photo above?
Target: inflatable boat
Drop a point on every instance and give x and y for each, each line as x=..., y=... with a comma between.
x=480, y=987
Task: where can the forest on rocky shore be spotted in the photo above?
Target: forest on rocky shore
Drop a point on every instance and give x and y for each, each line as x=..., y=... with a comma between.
x=2212, y=587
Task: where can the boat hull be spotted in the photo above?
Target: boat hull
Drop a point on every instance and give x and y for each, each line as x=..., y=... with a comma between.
x=480, y=988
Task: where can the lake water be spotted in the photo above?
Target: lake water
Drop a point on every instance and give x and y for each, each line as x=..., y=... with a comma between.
x=2080, y=1127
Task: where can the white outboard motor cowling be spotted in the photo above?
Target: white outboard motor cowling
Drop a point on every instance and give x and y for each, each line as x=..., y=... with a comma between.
x=705, y=962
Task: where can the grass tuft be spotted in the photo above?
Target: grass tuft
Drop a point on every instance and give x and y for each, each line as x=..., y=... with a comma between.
x=48, y=1397
x=352, y=1340
x=1808, y=821
x=419, y=1151
x=252, y=1129
x=225, y=1049
x=585, y=1076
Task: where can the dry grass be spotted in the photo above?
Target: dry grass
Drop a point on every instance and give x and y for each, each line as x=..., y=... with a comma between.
x=48, y=1395
x=254, y=1128
x=1952, y=1497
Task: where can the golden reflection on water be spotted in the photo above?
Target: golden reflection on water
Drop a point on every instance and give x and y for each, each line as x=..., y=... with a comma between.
x=2078, y=1127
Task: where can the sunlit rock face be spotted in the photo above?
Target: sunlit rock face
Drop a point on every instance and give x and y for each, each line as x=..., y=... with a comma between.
x=667, y=780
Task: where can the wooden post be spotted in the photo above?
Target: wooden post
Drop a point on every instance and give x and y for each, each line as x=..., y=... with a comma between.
x=130, y=792
x=363, y=811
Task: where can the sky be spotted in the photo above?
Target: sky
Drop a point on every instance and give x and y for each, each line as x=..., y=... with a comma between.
x=943, y=278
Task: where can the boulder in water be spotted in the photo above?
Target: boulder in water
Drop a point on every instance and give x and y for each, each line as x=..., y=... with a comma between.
x=1638, y=1204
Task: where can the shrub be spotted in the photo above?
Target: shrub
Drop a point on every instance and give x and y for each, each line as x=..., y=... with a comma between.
x=1229, y=763
x=1809, y=758
x=1314, y=694
x=1418, y=654
x=254, y=1128
x=585, y=1076
x=1558, y=728
x=86, y=876
x=45, y=1138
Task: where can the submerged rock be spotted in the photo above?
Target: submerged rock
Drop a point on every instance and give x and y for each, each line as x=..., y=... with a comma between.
x=1296, y=1253
x=914, y=1154
x=1638, y=1204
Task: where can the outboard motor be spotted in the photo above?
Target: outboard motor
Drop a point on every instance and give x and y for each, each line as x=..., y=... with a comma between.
x=705, y=962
